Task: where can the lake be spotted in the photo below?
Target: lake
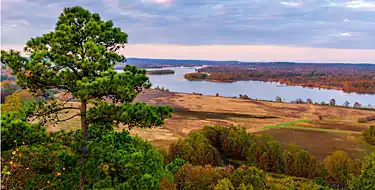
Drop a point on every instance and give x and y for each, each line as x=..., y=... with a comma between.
x=254, y=89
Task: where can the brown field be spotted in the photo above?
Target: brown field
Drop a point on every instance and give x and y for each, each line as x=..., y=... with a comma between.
x=321, y=144
x=193, y=112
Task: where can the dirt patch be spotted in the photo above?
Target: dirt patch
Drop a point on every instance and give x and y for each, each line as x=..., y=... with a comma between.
x=319, y=144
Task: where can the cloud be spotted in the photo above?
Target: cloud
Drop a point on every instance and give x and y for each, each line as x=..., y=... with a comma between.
x=361, y=4
x=307, y=23
x=345, y=34
x=291, y=4
x=158, y=2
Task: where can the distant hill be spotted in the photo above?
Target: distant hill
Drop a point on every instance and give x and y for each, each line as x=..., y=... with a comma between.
x=177, y=61
x=158, y=63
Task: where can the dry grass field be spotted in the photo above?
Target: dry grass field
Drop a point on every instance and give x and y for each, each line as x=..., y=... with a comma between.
x=288, y=123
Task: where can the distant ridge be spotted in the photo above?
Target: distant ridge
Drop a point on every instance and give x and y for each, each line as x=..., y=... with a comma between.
x=142, y=61
x=177, y=61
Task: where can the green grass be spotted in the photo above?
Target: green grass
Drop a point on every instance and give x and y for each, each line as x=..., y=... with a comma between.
x=323, y=130
x=294, y=125
x=285, y=124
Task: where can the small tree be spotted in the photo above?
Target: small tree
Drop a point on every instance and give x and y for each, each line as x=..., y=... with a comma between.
x=278, y=99
x=346, y=104
x=356, y=105
x=332, y=102
x=78, y=57
x=309, y=101
x=369, y=135
x=338, y=167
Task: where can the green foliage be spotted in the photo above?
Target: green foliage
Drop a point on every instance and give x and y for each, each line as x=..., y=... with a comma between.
x=118, y=160
x=338, y=168
x=196, y=149
x=288, y=183
x=196, y=177
x=78, y=57
x=175, y=165
x=369, y=135
x=365, y=181
x=249, y=176
x=44, y=166
x=298, y=162
x=224, y=184
x=233, y=142
x=15, y=129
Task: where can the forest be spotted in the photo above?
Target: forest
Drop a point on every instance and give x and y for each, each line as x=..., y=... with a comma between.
x=160, y=72
x=97, y=156
x=348, y=78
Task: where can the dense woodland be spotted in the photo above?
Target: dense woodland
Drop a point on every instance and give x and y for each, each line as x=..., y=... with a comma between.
x=160, y=72
x=349, y=78
x=98, y=157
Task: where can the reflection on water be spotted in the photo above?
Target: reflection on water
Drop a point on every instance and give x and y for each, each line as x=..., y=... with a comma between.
x=254, y=89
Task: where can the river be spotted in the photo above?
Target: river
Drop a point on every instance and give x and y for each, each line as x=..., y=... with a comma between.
x=254, y=89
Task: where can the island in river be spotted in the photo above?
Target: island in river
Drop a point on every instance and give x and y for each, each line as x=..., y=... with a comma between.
x=160, y=72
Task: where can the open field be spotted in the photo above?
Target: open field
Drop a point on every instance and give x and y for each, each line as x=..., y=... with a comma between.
x=321, y=143
x=289, y=123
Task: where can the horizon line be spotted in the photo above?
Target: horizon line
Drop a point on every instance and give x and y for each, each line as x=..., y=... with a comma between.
x=242, y=53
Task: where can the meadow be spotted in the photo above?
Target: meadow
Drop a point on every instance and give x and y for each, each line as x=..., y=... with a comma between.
x=299, y=124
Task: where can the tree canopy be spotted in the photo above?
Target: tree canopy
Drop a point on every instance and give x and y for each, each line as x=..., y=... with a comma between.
x=78, y=57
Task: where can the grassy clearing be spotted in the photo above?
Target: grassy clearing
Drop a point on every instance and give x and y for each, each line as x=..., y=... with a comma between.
x=294, y=125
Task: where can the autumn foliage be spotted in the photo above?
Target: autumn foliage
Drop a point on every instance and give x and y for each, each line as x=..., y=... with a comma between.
x=349, y=78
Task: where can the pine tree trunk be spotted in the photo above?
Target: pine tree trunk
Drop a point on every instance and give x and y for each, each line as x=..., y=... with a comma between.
x=84, y=126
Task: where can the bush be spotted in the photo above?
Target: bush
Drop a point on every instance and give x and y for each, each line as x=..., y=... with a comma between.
x=175, y=165
x=338, y=168
x=267, y=157
x=369, y=135
x=232, y=142
x=298, y=162
x=196, y=177
x=365, y=181
x=116, y=160
x=224, y=184
x=288, y=183
x=245, y=176
x=196, y=149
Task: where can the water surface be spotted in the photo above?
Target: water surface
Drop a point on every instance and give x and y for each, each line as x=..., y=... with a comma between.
x=254, y=89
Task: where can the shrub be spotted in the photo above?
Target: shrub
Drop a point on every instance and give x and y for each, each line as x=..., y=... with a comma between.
x=298, y=162
x=249, y=176
x=369, y=135
x=365, y=181
x=196, y=177
x=224, y=184
x=196, y=149
x=175, y=165
x=288, y=183
x=338, y=168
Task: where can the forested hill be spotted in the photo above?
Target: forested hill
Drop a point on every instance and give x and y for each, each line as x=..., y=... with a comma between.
x=148, y=62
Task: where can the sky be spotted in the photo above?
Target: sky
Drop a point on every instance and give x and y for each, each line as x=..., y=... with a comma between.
x=244, y=30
